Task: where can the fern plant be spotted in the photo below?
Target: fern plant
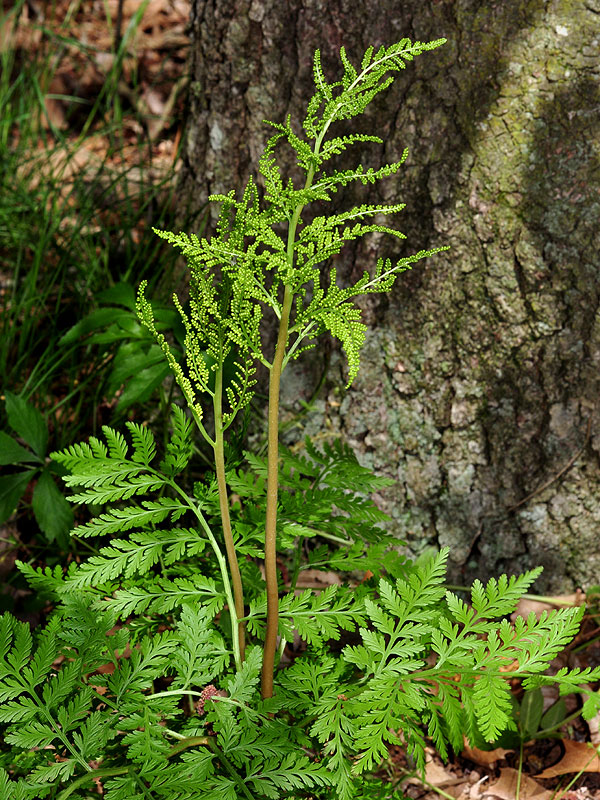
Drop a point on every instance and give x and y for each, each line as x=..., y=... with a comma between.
x=164, y=671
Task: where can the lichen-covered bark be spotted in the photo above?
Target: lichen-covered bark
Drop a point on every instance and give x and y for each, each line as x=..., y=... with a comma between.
x=479, y=379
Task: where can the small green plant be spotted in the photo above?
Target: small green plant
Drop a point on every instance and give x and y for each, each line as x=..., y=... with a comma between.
x=165, y=671
x=69, y=219
x=137, y=364
x=52, y=512
x=532, y=722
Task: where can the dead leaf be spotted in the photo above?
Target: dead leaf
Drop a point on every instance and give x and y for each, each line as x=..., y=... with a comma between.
x=484, y=757
x=55, y=114
x=578, y=757
x=505, y=787
x=317, y=579
x=437, y=775
x=477, y=787
x=512, y=667
x=526, y=605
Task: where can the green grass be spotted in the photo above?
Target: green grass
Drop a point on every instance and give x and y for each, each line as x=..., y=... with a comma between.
x=69, y=232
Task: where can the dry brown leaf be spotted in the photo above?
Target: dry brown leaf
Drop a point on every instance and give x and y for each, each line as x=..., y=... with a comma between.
x=526, y=605
x=316, y=579
x=437, y=775
x=477, y=787
x=594, y=729
x=484, y=757
x=505, y=787
x=578, y=757
x=512, y=667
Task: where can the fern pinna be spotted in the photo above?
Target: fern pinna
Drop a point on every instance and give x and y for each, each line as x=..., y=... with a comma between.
x=163, y=671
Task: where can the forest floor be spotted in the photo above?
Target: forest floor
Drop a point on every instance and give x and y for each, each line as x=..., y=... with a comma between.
x=97, y=42
x=142, y=48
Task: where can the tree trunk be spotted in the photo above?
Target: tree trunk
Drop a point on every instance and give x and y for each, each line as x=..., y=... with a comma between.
x=479, y=381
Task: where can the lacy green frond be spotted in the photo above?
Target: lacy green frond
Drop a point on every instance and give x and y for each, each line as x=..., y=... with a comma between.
x=161, y=596
x=123, y=519
x=314, y=617
x=136, y=556
x=179, y=449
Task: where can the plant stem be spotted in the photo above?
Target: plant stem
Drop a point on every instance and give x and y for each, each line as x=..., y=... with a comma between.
x=108, y=772
x=270, y=645
x=222, y=567
x=234, y=569
x=229, y=768
x=185, y=744
x=519, y=771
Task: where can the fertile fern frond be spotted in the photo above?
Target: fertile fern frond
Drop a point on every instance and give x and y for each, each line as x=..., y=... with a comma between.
x=350, y=96
x=242, y=270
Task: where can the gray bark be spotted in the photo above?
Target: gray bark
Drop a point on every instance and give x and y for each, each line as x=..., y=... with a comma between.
x=479, y=380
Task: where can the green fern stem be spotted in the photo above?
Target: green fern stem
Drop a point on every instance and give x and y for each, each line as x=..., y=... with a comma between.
x=236, y=578
x=272, y=624
x=229, y=768
x=222, y=568
x=106, y=772
x=57, y=728
x=270, y=644
x=142, y=786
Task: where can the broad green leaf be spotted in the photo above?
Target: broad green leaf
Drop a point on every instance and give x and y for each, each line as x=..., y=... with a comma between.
x=28, y=422
x=122, y=294
x=554, y=716
x=12, y=488
x=532, y=708
x=140, y=388
x=131, y=358
x=97, y=320
x=52, y=511
x=126, y=327
x=11, y=452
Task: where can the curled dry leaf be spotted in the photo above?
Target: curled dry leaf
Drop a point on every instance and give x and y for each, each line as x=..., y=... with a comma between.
x=484, y=758
x=578, y=757
x=505, y=788
x=437, y=775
